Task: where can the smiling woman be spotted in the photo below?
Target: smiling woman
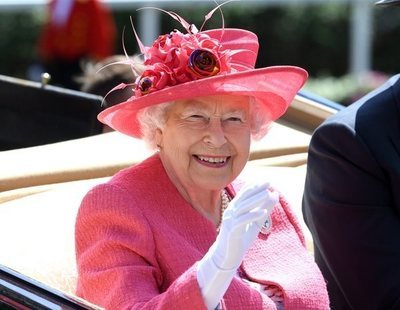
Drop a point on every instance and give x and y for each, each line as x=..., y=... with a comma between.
x=204, y=144
x=181, y=229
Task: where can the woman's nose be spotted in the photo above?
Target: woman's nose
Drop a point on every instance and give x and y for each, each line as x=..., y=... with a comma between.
x=215, y=135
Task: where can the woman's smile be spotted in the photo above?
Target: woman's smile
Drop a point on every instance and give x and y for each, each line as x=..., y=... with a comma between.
x=212, y=161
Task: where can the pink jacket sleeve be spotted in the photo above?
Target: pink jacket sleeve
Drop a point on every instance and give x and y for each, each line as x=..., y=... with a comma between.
x=116, y=257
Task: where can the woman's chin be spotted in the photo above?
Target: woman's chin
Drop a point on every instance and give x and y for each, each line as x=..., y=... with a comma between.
x=213, y=182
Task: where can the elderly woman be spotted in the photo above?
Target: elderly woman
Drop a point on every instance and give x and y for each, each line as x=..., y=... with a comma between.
x=179, y=230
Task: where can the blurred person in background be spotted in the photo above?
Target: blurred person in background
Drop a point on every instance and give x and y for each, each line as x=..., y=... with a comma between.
x=351, y=200
x=75, y=31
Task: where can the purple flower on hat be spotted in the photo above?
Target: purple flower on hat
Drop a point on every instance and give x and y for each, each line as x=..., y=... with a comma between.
x=203, y=63
x=177, y=58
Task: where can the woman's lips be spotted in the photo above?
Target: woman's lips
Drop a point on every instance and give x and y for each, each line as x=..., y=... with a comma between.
x=212, y=161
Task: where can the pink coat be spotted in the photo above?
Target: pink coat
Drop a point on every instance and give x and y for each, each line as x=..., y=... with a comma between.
x=138, y=242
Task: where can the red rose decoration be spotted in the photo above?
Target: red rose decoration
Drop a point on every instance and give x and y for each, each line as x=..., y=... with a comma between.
x=177, y=58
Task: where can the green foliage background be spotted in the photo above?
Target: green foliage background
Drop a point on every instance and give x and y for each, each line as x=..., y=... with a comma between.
x=315, y=37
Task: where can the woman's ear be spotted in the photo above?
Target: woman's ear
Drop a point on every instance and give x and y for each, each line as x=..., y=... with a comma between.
x=158, y=137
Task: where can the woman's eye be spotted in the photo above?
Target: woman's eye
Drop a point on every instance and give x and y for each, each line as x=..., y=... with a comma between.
x=197, y=117
x=235, y=119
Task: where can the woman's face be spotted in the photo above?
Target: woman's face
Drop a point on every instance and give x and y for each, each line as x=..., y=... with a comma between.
x=205, y=142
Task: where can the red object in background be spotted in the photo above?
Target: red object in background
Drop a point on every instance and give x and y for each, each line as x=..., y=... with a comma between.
x=89, y=31
x=76, y=30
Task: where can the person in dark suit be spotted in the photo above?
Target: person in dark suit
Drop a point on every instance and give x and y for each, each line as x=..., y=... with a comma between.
x=351, y=200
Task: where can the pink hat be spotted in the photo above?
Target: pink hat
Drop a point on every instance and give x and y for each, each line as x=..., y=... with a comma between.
x=221, y=61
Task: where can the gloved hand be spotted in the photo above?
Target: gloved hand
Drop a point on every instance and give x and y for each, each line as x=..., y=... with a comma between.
x=241, y=223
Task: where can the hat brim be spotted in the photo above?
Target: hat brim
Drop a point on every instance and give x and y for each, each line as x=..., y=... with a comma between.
x=274, y=87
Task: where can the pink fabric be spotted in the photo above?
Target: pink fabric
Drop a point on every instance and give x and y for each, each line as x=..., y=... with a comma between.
x=138, y=242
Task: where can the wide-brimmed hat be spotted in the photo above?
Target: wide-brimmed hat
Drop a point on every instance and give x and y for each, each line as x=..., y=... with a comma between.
x=221, y=61
x=388, y=2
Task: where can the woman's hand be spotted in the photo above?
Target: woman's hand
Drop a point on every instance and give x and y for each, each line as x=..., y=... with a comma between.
x=241, y=223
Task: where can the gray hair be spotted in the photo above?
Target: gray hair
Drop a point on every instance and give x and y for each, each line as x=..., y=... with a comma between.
x=154, y=117
x=260, y=119
x=150, y=119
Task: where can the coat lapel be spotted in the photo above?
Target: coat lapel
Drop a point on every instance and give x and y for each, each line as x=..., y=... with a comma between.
x=395, y=136
x=281, y=259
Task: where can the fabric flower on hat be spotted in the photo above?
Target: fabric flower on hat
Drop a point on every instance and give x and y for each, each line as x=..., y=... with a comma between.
x=177, y=58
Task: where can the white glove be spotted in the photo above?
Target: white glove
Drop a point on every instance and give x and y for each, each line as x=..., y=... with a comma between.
x=241, y=223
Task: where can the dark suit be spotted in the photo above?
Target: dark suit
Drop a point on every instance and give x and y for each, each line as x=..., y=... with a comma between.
x=351, y=201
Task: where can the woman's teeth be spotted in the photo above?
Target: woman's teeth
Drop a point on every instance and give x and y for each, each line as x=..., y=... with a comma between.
x=217, y=160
